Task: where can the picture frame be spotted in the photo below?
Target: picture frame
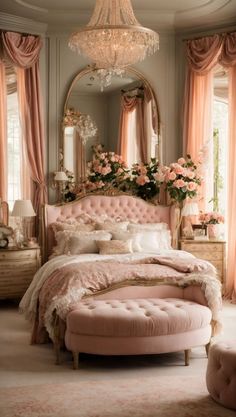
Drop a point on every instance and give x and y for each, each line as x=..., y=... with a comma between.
x=199, y=231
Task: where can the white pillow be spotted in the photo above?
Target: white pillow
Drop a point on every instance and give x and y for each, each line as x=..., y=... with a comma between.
x=61, y=240
x=134, y=237
x=139, y=227
x=155, y=241
x=85, y=242
x=114, y=247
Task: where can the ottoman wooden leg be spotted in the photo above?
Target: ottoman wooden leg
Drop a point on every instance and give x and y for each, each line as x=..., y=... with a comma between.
x=75, y=360
x=186, y=356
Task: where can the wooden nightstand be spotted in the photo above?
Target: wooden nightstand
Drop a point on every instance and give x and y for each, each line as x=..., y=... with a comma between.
x=17, y=268
x=210, y=250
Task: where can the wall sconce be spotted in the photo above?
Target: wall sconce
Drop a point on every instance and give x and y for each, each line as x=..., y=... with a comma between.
x=190, y=209
x=22, y=209
x=61, y=178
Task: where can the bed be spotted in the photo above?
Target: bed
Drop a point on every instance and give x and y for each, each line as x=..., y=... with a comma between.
x=114, y=283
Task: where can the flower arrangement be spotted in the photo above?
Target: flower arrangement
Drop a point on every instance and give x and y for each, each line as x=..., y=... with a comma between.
x=69, y=191
x=211, y=218
x=182, y=179
x=105, y=168
x=145, y=179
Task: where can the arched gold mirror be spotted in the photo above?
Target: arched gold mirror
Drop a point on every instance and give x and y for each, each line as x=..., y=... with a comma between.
x=98, y=96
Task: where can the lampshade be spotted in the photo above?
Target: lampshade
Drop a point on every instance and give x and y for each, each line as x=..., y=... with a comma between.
x=190, y=209
x=113, y=38
x=23, y=208
x=60, y=176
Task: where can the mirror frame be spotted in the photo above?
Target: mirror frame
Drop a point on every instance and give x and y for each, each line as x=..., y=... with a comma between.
x=138, y=74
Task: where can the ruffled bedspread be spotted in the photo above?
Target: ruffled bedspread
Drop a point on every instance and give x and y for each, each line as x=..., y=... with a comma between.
x=59, y=285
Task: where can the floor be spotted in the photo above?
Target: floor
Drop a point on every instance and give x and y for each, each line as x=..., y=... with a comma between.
x=22, y=364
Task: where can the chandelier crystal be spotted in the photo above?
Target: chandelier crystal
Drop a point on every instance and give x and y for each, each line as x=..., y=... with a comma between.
x=114, y=38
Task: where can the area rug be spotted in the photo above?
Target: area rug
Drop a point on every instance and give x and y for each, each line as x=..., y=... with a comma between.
x=148, y=397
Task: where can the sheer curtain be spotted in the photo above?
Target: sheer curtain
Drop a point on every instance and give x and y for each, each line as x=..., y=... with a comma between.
x=23, y=52
x=202, y=56
x=228, y=59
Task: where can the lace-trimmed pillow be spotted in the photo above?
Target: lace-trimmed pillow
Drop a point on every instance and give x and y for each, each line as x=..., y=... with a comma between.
x=85, y=242
x=111, y=226
x=69, y=225
x=114, y=247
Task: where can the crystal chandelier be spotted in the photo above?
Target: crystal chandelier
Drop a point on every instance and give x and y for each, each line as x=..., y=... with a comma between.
x=113, y=38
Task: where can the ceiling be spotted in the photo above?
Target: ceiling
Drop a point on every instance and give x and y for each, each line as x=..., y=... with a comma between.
x=163, y=14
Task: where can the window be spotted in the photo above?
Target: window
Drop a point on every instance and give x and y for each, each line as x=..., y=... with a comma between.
x=13, y=150
x=220, y=135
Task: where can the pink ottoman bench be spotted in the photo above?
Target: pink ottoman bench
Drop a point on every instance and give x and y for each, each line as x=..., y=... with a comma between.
x=137, y=326
x=221, y=373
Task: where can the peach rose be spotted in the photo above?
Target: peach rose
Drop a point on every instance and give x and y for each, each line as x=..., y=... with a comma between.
x=190, y=174
x=142, y=179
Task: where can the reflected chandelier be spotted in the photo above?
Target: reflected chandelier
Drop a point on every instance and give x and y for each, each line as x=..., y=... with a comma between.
x=113, y=38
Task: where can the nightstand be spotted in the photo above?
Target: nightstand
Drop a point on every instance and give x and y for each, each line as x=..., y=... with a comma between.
x=17, y=268
x=210, y=250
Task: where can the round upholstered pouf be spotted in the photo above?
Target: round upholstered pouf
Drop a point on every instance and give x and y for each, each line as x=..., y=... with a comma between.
x=221, y=373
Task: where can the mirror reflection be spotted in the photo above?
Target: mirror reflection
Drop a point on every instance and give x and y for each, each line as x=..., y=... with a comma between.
x=124, y=117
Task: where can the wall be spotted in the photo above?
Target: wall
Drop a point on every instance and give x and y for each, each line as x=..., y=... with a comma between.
x=59, y=65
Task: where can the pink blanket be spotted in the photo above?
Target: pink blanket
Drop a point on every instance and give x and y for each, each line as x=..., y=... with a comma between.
x=67, y=285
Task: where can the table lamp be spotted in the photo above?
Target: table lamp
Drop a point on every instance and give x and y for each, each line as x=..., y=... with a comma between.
x=60, y=177
x=23, y=209
x=189, y=209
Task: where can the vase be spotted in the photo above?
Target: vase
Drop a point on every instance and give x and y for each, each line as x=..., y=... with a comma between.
x=214, y=231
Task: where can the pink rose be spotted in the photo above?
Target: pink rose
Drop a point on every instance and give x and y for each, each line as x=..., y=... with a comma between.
x=190, y=174
x=179, y=170
x=181, y=161
x=179, y=184
x=159, y=176
x=106, y=170
x=192, y=186
x=171, y=176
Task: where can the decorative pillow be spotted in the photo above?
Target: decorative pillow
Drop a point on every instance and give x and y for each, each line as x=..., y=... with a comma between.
x=72, y=225
x=111, y=226
x=139, y=227
x=85, y=242
x=61, y=238
x=155, y=241
x=134, y=237
x=114, y=247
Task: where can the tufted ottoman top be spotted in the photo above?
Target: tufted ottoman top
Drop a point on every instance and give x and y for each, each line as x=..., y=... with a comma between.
x=137, y=317
x=221, y=373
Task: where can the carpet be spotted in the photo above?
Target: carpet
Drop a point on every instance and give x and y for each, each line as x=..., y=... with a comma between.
x=144, y=397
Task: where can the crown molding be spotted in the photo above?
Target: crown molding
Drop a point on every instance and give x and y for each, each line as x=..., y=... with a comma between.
x=21, y=24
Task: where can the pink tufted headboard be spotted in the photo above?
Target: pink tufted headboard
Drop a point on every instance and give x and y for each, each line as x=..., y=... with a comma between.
x=123, y=206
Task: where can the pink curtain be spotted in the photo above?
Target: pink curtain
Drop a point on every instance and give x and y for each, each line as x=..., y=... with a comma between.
x=141, y=129
x=202, y=55
x=128, y=104
x=228, y=59
x=23, y=52
x=3, y=133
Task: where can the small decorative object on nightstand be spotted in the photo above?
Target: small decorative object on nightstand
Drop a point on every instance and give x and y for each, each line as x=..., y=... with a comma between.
x=210, y=250
x=17, y=268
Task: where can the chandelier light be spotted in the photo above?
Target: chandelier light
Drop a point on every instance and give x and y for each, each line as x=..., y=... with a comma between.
x=114, y=39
